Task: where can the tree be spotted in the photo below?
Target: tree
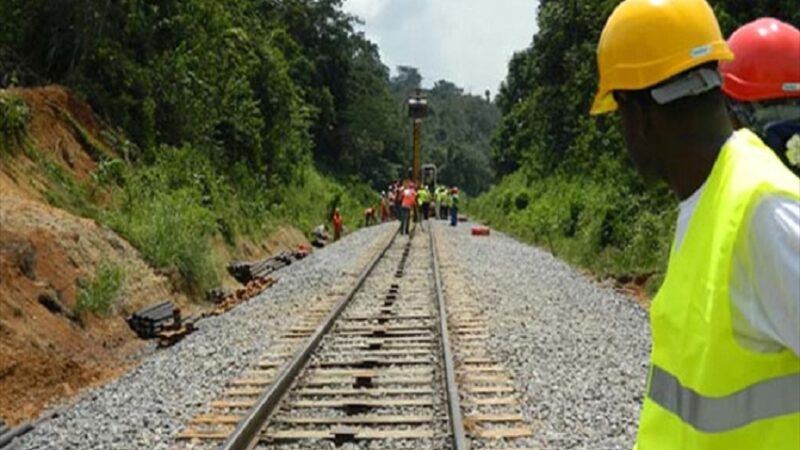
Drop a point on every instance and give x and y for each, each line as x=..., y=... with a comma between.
x=457, y=132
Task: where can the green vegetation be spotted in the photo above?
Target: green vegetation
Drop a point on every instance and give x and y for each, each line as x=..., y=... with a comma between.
x=173, y=208
x=793, y=151
x=232, y=118
x=229, y=118
x=456, y=135
x=595, y=224
x=96, y=149
x=13, y=120
x=67, y=193
x=568, y=184
x=266, y=84
x=100, y=293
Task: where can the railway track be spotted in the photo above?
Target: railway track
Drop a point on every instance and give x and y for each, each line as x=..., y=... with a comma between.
x=378, y=364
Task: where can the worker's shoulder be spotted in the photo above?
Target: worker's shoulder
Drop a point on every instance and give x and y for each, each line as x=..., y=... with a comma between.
x=771, y=232
x=755, y=168
x=774, y=215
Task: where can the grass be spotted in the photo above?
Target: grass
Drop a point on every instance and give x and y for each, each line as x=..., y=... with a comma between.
x=97, y=150
x=174, y=208
x=14, y=115
x=65, y=191
x=173, y=231
x=596, y=225
x=312, y=202
x=99, y=294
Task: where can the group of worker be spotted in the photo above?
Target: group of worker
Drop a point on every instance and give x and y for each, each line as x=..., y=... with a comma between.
x=403, y=199
x=719, y=122
x=400, y=202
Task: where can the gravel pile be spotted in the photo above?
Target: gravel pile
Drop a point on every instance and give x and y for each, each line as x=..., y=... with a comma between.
x=578, y=351
x=147, y=407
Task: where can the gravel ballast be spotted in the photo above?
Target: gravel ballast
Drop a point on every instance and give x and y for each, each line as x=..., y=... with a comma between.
x=146, y=408
x=578, y=351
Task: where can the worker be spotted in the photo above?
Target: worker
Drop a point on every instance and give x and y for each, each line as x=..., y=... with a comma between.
x=437, y=198
x=398, y=199
x=725, y=364
x=390, y=200
x=337, y=225
x=441, y=202
x=431, y=202
x=320, y=236
x=424, y=201
x=453, y=206
x=399, y=207
x=384, y=207
x=409, y=199
x=763, y=83
x=369, y=216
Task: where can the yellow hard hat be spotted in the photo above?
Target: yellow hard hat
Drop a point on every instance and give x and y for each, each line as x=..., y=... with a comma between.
x=645, y=42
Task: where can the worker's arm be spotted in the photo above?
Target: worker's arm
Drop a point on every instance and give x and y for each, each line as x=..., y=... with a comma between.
x=772, y=280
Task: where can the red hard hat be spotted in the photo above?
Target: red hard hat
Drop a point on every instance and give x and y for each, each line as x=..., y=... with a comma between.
x=766, y=64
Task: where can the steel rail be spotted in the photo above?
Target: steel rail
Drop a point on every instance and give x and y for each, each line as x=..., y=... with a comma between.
x=247, y=432
x=453, y=398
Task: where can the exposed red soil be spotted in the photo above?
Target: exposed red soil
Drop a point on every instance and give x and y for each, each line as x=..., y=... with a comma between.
x=632, y=286
x=46, y=355
x=637, y=293
x=48, y=352
x=635, y=287
x=50, y=129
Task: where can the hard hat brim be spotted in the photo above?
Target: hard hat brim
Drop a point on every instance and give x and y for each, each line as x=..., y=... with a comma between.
x=743, y=91
x=604, y=100
x=603, y=103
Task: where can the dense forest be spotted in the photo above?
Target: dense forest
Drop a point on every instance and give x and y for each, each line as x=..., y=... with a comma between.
x=262, y=83
x=567, y=181
x=227, y=118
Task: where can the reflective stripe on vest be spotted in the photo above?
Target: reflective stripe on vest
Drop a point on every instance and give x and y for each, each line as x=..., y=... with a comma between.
x=770, y=398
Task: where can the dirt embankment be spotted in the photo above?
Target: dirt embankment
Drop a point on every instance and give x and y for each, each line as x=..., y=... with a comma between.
x=48, y=351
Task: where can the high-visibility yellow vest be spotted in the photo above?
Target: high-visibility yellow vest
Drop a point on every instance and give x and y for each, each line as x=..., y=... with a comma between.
x=423, y=196
x=705, y=391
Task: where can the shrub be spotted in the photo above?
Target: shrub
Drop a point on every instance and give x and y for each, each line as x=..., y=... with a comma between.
x=173, y=208
x=313, y=200
x=99, y=294
x=522, y=200
x=173, y=231
x=13, y=119
x=595, y=224
x=109, y=171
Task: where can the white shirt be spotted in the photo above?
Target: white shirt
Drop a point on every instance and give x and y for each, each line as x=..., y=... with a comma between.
x=766, y=296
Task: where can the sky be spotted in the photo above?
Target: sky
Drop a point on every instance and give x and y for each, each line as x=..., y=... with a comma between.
x=468, y=42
